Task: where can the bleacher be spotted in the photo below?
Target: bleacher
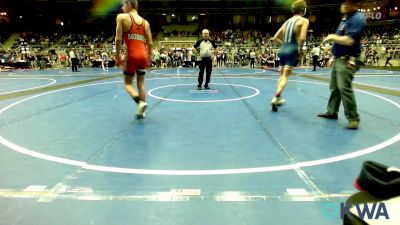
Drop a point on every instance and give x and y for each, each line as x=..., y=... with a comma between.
x=177, y=37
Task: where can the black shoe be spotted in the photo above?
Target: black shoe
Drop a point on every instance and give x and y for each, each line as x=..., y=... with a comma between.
x=274, y=107
x=206, y=87
x=326, y=115
x=275, y=103
x=198, y=87
x=353, y=124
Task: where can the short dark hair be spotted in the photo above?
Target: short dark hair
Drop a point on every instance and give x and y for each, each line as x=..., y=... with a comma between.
x=298, y=6
x=134, y=3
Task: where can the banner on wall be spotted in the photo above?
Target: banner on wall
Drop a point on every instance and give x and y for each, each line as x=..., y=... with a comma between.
x=373, y=15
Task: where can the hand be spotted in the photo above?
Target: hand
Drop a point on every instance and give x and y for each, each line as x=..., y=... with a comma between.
x=350, y=64
x=328, y=38
x=329, y=63
x=118, y=61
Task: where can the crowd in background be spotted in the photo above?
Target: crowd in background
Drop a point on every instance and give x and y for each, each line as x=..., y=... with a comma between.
x=243, y=47
x=236, y=48
x=42, y=51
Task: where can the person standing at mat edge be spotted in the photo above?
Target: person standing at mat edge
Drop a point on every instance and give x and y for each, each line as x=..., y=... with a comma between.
x=316, y=51
x=73, y=60
x=205, y=46
x=136, y=33
x=346, y=50
x=292, y=36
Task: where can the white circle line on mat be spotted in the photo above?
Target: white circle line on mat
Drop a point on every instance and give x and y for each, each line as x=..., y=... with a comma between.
x=27, y=89
x=216, y=72
x=257, y=92
x=293, y=166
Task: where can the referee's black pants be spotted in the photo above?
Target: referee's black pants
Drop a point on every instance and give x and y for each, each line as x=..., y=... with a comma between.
x=74, y=62
x=315, y=61
x=205, y=63
x=252, y=62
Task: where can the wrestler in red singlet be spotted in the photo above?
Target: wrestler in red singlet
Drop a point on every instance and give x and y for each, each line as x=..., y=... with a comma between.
x=137, y=58
x=136, y=33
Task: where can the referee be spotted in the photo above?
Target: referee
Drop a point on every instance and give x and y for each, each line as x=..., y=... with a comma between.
x=205, y=46
x=315, y=55
x=73, y=60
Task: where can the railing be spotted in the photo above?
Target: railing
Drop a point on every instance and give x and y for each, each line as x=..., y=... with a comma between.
x=176, y=44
